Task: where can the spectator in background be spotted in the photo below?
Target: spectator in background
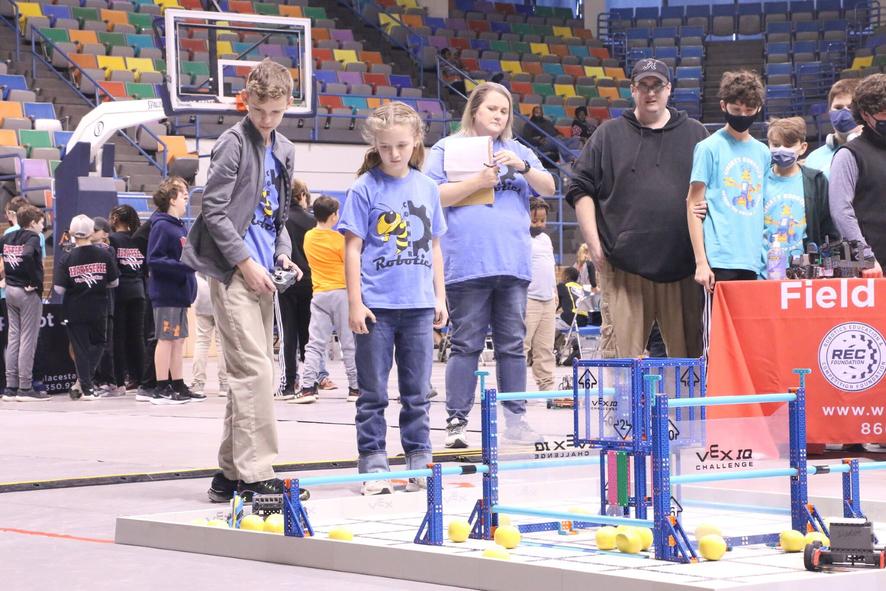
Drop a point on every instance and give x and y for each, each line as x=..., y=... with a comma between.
x=587, y=273
x=129, y=309
x=582, y=127
x=547, y=139
x=541, y=305
x=105, y=377
x=450, y=70
x=844, y=124
x=206, y=330
x=148, y=384
x=629, y=194
x=858, y=174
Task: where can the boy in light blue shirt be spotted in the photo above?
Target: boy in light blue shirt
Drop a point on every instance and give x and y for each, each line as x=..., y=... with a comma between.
x=728, y=172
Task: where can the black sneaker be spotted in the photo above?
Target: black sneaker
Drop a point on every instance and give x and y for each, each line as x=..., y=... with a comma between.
x=353, y=394
x=9, y=394
x=306, y=396
x=168, y=395
x=186, y=392
x=32, y=396
x=274, y=486
x=144, y=394
x=222, y=489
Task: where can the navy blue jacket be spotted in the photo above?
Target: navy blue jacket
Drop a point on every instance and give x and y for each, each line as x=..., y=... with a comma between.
x=171, y=283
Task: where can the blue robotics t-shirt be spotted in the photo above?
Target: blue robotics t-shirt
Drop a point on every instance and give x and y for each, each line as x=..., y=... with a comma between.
x=396, y=218
x=261, y=236
x=734, y=174
x=784, y=213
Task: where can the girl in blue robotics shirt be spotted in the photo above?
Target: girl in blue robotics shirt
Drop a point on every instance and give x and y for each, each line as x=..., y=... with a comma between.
x=392, y=221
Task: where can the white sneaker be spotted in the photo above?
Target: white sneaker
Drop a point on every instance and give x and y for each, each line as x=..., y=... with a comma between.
x=521, y=432
x=416, y=484
x=90, y=396
x=197, y=387
x=376, y=487
x=223, y=390
x=456, y=433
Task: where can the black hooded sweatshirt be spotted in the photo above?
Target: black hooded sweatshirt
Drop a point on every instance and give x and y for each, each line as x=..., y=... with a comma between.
x=639, y=180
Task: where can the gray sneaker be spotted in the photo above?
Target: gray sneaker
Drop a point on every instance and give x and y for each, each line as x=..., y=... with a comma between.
x=144, y=394
x=416, y=484
x=197, y=387
x=456, y=433
x=113, y=392
x=32, y=395
x=521, y=432
x=9, y=395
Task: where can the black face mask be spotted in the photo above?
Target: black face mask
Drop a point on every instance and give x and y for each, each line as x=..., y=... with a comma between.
x=740, y=123
x=535, y=230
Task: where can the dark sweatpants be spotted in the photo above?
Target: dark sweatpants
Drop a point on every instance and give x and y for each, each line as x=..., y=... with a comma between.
x=88, y=341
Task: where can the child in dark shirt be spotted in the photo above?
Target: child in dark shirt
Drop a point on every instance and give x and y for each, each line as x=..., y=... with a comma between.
x=104, y=379
x=23, y=271
x=84, y=278
x=129, y=308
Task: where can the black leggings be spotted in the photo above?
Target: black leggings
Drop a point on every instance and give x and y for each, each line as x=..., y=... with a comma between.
x=129, y=340
x=88, y=342
x=296, y=312
x=734, y=275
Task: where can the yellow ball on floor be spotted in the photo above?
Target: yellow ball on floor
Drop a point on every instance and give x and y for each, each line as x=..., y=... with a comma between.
x=628, y=541
x=705, y=529
x=712, y=547
x=274, y=523
x=504, y=520
x=459, y=531
x=198, y=521
x=217, y=523
x=496, y=552
x=341, y=533
x=606, y=538
x=817, y=536
x=507, y=536
x=645, y=537
x=580, y=510
x=252, y=523
x=791, y=541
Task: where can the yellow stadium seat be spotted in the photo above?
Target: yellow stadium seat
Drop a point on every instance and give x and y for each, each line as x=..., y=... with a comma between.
x=539, y=48
x=111, y=62
x=471, y=85
x=595, y=71
x=562, y=32
x=512, y=67
x=345, y=56
x=564, y=90
x=139, y=65
x=861, y=62
x=407, y=3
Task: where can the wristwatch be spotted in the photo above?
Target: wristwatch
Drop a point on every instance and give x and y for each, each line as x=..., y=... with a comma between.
x=527, y=167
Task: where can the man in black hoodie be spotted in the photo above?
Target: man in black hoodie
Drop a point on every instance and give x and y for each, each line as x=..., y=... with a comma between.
x=629, y=194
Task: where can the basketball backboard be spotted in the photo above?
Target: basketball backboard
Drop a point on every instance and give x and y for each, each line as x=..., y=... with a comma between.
x=209, y=55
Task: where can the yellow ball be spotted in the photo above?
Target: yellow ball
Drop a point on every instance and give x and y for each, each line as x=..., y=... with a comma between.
x=817, y=536
x=341, y=533
x=705, y=529
x=459, y=531
x=507, y=536
x=628, y=541
x=274, y=523
x=217, y=523
x=606, y=538
x=580, y=510
x=712, y=547
x=252, y=523
x=198, y=521
x=496, y=552
x=504, y=520
x=791, y=541
x=645, y=537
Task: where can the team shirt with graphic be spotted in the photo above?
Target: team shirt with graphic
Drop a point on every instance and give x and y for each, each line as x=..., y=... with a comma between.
x=131, y=263
x=397, y=218
x=784, y=213
x=734, y=174
x=261, y=236
x=85, y=274
x=23, y=259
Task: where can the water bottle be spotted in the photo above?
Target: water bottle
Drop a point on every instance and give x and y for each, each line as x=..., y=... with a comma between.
x=776, y=260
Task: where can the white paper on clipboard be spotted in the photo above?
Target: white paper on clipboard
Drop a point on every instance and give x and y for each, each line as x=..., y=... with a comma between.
x=466, y=156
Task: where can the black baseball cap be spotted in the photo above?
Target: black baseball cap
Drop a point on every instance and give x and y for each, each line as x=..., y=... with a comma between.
x=651, y=67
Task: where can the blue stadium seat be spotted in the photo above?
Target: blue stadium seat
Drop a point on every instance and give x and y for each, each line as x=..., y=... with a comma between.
x=401, y=81
x=12, y=82
x=688, y=72
x=692, y=51
x=324, y=76
x=40, y=110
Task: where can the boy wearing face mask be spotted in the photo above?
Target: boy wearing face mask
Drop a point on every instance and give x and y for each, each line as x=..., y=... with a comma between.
x=858, y=174
x=541, y=306
x=844, y=124
x=795, y=202
x=728, y=172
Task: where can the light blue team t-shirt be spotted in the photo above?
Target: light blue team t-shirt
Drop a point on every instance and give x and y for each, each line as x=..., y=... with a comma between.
x=396, y=218
x=784, y=213
x=261, y=236
x=820, y=159
x=734, y=174
x=488, y=240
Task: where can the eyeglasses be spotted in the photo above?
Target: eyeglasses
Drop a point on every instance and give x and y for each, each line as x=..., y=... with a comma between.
x=655, y=89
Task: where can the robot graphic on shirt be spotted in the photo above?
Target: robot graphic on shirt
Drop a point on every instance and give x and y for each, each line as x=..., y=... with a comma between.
x=748, y=190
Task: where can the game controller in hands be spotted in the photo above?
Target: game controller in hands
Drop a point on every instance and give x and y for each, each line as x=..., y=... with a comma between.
x=284, y=278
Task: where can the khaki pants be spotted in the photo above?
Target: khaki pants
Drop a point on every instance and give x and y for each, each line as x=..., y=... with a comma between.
x=246, y=321
x=539, y=339
x=630, y=304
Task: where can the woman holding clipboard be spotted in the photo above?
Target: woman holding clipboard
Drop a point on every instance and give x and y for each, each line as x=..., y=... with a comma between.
x=486, y=252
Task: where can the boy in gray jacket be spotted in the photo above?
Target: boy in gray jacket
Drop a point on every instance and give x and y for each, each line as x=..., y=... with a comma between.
x=238, y=239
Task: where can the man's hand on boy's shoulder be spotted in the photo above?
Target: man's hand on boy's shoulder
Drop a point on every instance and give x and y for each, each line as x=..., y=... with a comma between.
x=256, y=277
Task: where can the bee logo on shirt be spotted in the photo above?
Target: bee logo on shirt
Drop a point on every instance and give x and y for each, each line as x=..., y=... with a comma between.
x=266, y=205
x=390, y=223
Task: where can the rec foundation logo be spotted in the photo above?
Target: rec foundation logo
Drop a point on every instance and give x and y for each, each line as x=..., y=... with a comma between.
x=851, y=356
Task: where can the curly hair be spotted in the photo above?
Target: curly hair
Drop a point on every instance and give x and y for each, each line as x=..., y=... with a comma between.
x=870, y=96
x=741, y=86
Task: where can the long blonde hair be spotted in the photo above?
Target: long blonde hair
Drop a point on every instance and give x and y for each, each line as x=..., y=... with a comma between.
x=476, y=98
x=384, y=118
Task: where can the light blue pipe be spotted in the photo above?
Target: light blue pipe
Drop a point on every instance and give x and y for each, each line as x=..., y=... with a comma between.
x=539, y=464
x=724, y=400
x=548, y=394
x=746, y=475
x=568, y=516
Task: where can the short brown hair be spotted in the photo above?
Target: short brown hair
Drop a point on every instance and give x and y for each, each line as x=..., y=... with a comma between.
x=870, y=96
x=16, y=203
x=299, y=188
x=788, y=131
x=27, y=215
x=538, y=203
x=741, y=86
x=325, y=206
x=167, y=191
x=844, y=86
x=269, y=80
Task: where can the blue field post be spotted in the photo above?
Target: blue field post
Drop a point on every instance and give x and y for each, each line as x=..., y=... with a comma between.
x=643, y=391
x=851, y=492
x=800, y=511
x=295, y=518
x=482, y=519
x=430, y=532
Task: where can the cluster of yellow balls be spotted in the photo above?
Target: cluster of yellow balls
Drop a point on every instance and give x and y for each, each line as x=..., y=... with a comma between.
x=625, y=538
x=507, y=537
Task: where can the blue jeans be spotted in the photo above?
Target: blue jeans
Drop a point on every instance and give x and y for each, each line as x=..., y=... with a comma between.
x=408, y=336
x=474, y=306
